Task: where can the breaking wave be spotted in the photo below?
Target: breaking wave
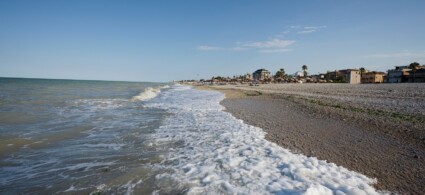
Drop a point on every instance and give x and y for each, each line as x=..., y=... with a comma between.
x=149, y=93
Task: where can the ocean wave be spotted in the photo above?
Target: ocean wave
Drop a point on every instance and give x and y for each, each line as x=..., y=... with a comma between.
x=147, y=94
x=165, y=87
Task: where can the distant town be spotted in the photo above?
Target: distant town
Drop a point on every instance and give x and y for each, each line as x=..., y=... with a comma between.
x=413, y=73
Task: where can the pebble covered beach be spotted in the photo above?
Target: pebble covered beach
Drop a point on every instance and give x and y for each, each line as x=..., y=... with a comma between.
x=375, y=129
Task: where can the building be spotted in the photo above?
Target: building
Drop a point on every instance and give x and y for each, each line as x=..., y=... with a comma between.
x=351, y=76
x=261, y=74
x=417, y=76
x=373, y=77
x=331, y=76
x=299, y=74
x=399, y=74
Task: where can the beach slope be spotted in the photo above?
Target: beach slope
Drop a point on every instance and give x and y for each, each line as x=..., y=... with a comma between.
x=377, y=130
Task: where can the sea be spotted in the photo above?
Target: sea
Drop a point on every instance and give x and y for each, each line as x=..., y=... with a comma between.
x=107, y=137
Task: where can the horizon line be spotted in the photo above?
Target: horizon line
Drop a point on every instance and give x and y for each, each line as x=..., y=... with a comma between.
x=67, y=79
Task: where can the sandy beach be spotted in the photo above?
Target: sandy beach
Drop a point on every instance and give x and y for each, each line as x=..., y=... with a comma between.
x=377, y=130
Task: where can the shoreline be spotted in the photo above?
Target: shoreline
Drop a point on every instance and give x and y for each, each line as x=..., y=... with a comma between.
x=379, y=141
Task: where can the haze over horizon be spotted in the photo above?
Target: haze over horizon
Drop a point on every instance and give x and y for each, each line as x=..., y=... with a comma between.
x=174, y=40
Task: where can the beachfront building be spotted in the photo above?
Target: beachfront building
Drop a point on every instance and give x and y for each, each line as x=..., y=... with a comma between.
x=331, y=76
x=417, y=76
x=299, y=74
x=404, y=74
x=351, y=76
x=261, y=75
x=373, y=77
x=399, y=74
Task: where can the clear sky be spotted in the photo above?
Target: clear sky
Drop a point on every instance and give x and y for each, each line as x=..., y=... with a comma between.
x=173, y=40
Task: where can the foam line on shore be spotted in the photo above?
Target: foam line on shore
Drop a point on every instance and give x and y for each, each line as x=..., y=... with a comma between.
x=216, y=153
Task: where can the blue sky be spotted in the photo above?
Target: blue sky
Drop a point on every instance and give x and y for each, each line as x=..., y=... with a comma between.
x=173, y=40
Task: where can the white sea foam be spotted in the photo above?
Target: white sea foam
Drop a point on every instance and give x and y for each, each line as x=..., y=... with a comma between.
x=72, y=188
x=165, y=87
x=222, y=155
x=101, y=145
x=94, y=105
x=148, y=93
x=84, y=166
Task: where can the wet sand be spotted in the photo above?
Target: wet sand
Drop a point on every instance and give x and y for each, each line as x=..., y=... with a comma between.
x=377, y=130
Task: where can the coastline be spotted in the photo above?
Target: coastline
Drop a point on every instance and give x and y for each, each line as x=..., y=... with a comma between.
x=350, y=129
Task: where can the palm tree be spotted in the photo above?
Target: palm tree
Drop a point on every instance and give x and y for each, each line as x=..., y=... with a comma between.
x=304, y=67
x=414, y=67
x=362, y=70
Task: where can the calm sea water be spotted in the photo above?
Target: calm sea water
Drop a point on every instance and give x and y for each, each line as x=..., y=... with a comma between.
x=95, y=137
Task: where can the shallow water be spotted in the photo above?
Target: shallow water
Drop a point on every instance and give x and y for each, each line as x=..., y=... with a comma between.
x=141, y=138
x=75, y=136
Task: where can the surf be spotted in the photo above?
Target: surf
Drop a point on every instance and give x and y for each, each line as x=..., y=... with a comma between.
x=149, y=93
x=211, y=152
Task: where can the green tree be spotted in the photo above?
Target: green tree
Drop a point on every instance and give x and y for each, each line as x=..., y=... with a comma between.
x=414, y=66
x=362, y=70
x=280, y=74
x=304, y=67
